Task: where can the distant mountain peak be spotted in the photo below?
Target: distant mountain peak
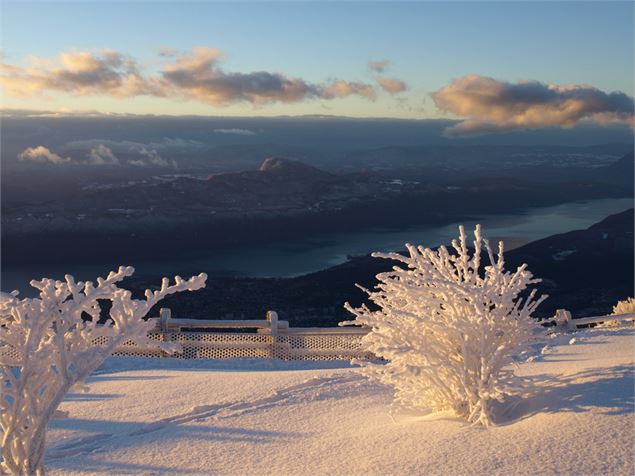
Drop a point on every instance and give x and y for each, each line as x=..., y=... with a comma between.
x=280, y=165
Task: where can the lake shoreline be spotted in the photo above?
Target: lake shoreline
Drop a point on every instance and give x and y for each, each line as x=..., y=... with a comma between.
x=290, y=258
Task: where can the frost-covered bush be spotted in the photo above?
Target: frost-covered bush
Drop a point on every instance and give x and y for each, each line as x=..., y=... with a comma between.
x=49, y=344
x=448, y=327
x=627, y=306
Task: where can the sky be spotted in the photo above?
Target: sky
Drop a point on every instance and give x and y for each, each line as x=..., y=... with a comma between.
x=497, y=65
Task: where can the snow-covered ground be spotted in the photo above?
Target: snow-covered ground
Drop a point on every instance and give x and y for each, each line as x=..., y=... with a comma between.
x=151, y=416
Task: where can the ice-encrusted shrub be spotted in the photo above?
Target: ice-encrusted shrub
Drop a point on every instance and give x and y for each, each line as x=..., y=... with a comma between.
x=627, y=306
x=48, y=345
x=448, y=327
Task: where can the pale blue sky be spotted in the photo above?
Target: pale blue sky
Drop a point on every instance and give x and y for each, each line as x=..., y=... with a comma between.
x=428, y=43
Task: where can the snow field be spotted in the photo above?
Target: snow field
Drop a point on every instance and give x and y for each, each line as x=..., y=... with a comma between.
x=164, y=416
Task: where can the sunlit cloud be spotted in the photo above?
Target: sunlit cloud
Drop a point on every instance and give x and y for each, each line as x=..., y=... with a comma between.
x=149, y=157
x=42, y=154
x=340, y=88
x=102, y=155
x=78, y=73
x=198, y=75
x=392, y=85
x=489, y=105
x=378, y=66
x=389, y=85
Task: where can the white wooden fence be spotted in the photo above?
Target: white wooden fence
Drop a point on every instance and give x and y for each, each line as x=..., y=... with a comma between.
x=272, y=339
x=564, y=319
x=275, y=339
x=213, y=339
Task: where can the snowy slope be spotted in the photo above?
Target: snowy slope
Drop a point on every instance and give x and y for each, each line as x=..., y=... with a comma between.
x=145, y=416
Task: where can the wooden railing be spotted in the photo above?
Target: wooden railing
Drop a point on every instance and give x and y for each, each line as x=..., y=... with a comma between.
x=166, y=323
x=564, y=319
x=199, y=339
x=271, y=325
x=274, y=338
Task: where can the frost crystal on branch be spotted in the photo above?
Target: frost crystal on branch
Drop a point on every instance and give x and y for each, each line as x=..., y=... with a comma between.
x=448, y=327
x=49, y=343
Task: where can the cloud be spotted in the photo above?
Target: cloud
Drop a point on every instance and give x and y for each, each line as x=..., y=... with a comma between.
x=42, y=154
x=151, y=157
x=102, y=155
x=99, y=155
x=378, y=66
x=490, y=105
x=32, y=113
x=199, y=76
x=196, y=76
x=340, y=88
x=79, y=73
x=392, y=85
x=125, y=145
x=239, y=132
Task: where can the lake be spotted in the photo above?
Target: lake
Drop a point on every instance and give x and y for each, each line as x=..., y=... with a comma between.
x=285, y=259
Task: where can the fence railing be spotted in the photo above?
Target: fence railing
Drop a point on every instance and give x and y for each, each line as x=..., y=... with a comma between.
x=273, y=338
x=165, y=323
x=564, y=319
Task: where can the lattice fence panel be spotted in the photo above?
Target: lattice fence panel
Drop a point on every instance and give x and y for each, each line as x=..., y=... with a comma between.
x=320, y=347
x=10, y=352
x=218, y=345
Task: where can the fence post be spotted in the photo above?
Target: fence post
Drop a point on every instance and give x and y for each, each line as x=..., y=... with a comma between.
x=564, y=319
x=272, y=317
x=165, y=314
